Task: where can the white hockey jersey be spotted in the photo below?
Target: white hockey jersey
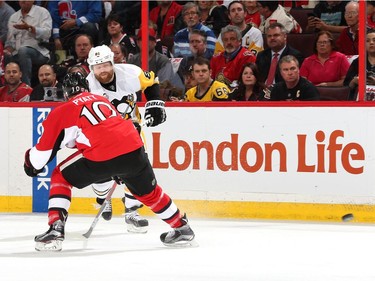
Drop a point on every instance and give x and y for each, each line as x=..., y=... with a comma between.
x=129, y=80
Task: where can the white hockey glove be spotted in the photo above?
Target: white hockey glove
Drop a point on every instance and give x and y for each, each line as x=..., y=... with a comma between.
x=154, y=113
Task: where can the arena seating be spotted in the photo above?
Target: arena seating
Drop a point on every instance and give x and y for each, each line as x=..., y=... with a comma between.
x=334, y=93
x=301, y=15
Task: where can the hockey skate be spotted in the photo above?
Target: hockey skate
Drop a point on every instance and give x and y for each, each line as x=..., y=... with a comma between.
x=179, y=237
x=52, y=239
x=107, y=212
x=134, y=222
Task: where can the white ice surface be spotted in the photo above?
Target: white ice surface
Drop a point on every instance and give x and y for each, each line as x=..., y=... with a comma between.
x=229, y=250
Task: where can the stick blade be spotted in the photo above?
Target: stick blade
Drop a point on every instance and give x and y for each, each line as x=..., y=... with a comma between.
x=87, y=234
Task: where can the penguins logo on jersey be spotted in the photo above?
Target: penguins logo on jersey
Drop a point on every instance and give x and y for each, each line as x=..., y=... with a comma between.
x=147, y=74
x=126, y=105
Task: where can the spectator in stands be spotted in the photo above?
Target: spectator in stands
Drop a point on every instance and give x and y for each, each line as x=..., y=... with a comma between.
x=347, y=43
x=351, y=78
x=249, y=86
x=157, y=62
x=188, y=78
x=130, y=13
x=27, y=29
x=326, y=67
x=47, y=79
x=252, y=15
x=329, y=16
x=165, y=16
x=191, y=16
x=82, y=46
x=267, y=60
x=293, y=86
x=207, y=89
x=213, y=15
x=370, y=14
x=160, y=46
x=225, y=65
x=251, y=36
x=14, y=90
x=119, y=52
x=74, y=17
x=273, y=12
x=117, y=35
x=198, y=47
x=5, y=12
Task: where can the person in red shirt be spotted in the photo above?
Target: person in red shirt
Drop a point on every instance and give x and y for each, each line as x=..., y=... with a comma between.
x=370, y=7
x=226, y=66
x=347, y=43
x=326, y=67
x=164, y=16
x=14, y=90
x=108, y=146
x=252, y=13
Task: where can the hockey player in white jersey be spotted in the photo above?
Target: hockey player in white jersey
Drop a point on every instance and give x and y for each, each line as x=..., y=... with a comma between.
x=120, y=83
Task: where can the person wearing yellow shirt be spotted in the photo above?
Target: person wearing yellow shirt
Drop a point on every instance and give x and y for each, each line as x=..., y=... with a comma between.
x=206, y=89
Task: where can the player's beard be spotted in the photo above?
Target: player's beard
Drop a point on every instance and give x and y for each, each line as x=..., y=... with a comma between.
x=105, y=77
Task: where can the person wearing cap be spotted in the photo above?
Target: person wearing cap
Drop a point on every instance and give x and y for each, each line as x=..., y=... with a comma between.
x=157, y=62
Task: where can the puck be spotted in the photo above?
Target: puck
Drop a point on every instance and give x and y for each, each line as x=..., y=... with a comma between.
x=347, y=217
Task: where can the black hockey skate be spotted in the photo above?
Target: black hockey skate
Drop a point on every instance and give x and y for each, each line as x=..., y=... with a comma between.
x=134, y=222
x=52, y=239
x=107, y=212
x=179, y=237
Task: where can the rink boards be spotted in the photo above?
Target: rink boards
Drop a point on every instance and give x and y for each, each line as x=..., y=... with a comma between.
x=294, y=161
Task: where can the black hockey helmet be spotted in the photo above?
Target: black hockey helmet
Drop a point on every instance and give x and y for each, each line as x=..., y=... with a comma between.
x=75, y=83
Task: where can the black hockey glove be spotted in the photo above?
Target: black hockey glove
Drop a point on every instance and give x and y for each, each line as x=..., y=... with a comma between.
x=28, y=167
x=154, y=113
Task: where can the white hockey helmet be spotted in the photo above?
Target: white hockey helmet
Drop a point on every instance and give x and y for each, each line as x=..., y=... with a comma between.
x=99, y=55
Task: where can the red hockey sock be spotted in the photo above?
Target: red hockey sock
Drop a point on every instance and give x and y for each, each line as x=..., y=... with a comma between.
x=59, y=197
x=162, y=205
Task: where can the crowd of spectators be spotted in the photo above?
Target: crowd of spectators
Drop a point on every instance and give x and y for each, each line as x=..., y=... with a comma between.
x=247, y=45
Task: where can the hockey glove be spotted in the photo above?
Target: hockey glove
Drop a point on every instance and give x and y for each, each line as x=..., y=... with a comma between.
x=28, y=167
x=154, y=113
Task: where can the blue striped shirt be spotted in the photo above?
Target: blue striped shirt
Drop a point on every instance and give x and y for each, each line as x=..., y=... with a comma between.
x=181, y=41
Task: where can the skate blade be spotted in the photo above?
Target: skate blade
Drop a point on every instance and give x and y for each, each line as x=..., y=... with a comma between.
x=53, y=246
x=133, y=229
x=182, y=244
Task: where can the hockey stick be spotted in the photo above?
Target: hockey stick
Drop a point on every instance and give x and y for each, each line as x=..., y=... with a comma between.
x=106, y=201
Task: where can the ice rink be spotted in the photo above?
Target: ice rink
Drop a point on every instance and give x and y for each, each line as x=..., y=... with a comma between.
x=229, y=250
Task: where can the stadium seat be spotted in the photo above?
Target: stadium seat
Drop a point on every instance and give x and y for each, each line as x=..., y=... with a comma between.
x=334, y=93
x=301, y=15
